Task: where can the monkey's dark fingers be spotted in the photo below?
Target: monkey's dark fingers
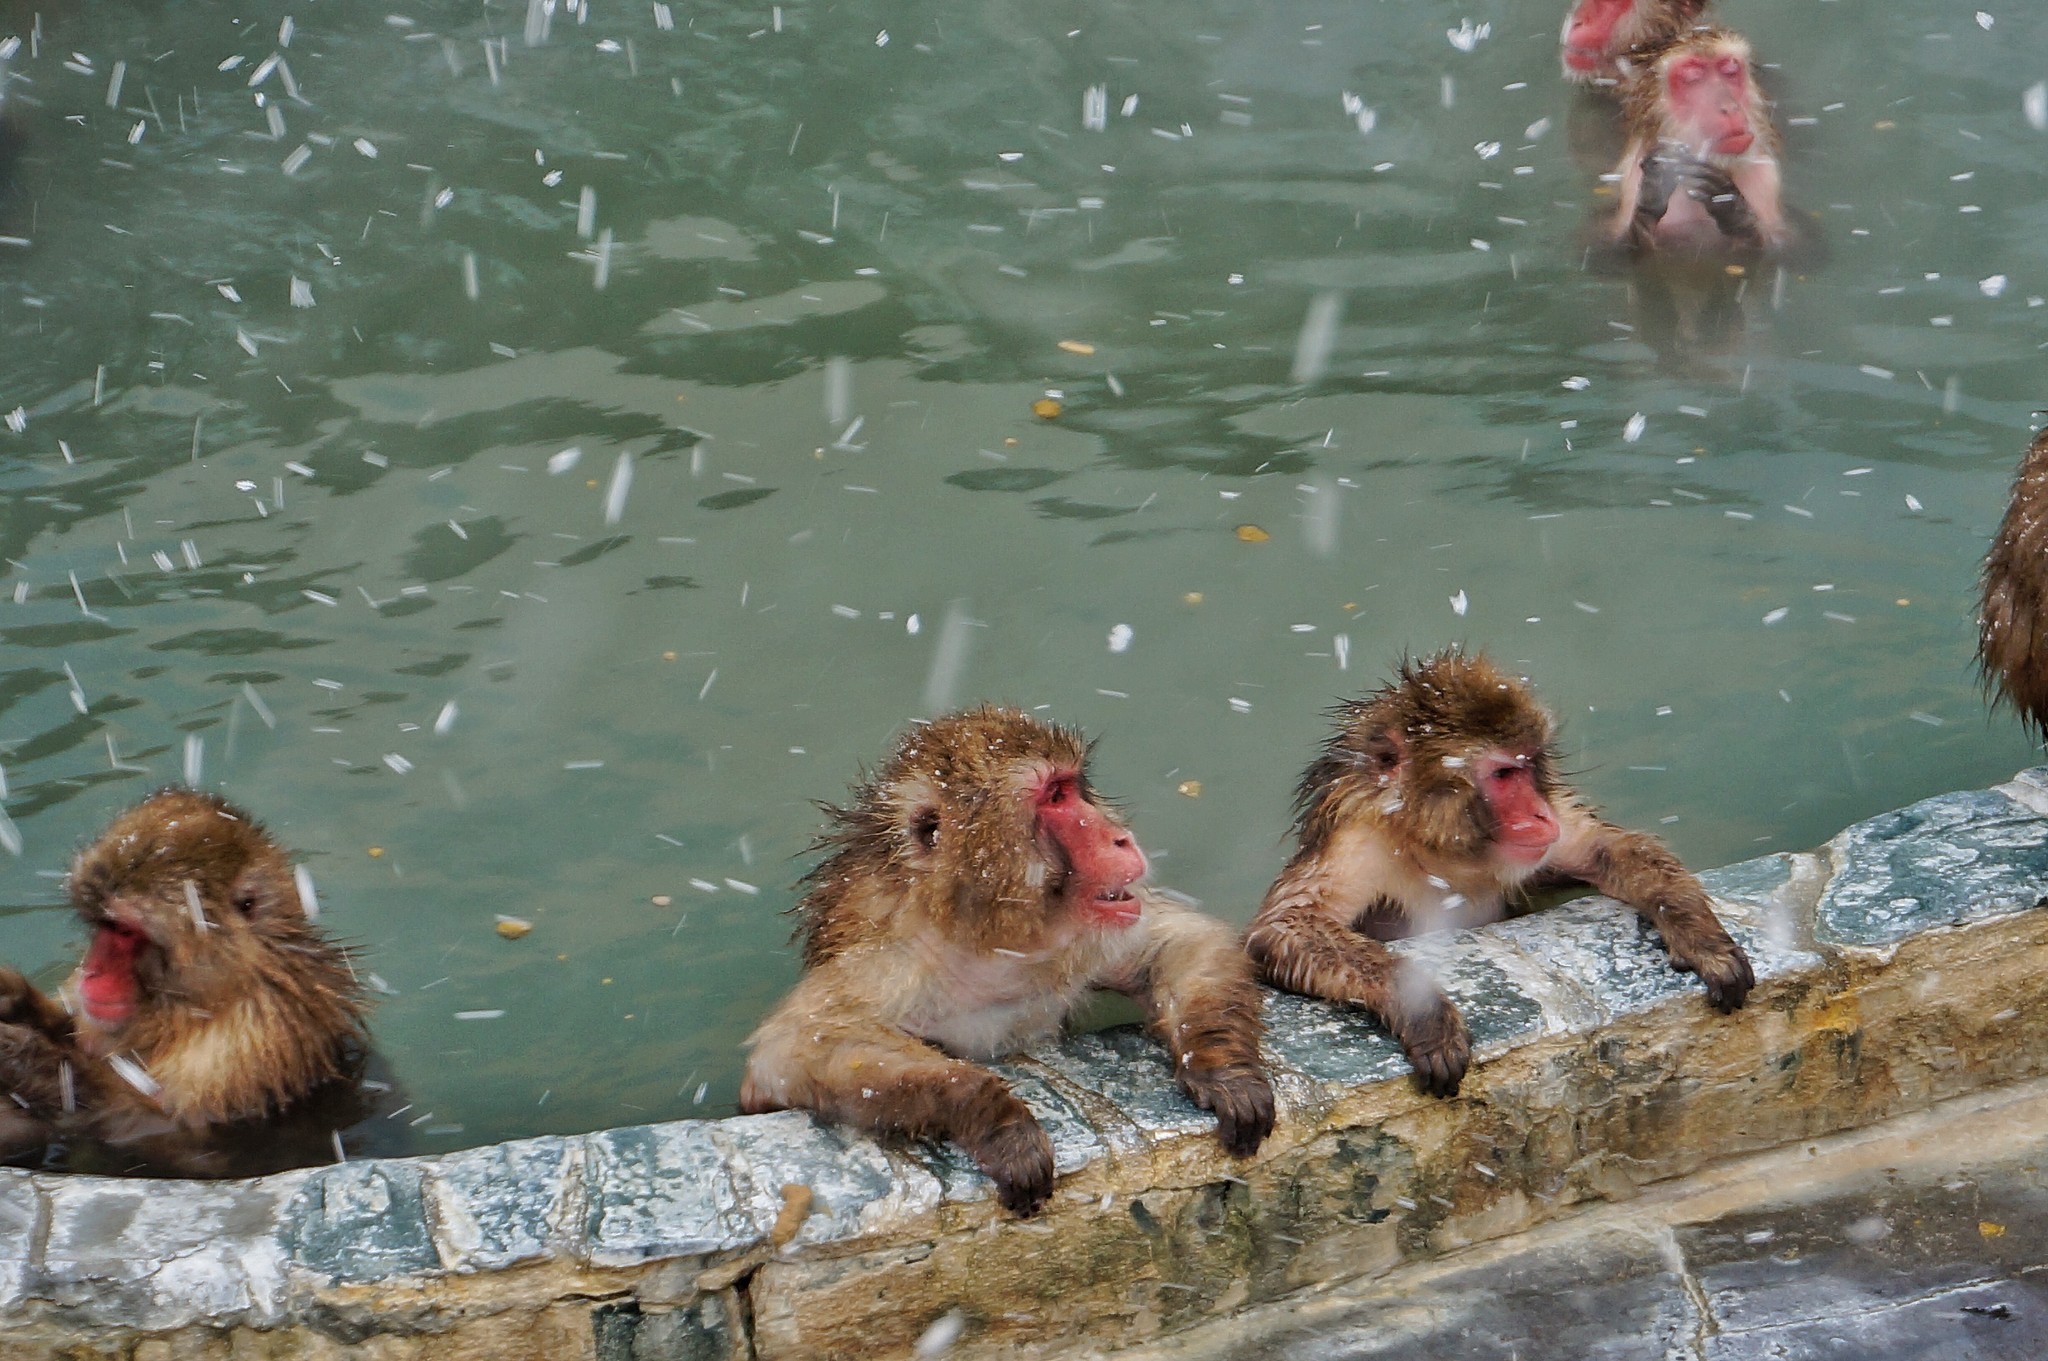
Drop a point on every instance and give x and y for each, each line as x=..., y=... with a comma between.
x=1243, y=1102
x=1439, y=1047
x=1018, y=1158
x=1725, y=970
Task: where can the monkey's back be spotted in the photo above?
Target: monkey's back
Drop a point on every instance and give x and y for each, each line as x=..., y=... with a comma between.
x=2012, y=623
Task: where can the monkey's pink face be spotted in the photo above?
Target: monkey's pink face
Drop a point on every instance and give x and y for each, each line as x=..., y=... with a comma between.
x=1524, y=824
x=1590, y=37
x=1709, y=97
x=108, y=989
x=1101, y=858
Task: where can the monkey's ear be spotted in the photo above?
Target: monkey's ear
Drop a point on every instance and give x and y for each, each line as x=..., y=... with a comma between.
x=1387, y=749
x=924, y=828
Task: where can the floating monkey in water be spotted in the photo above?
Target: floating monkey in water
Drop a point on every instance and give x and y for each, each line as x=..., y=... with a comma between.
x=1700, y=171
x=1434, y=802
x=1599, y=35
x=976, y=891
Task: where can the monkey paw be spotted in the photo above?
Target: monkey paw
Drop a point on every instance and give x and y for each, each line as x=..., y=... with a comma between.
x=1437, y=1044
x=1018, y=1158
x=1725, y=969
x=1243, y=1102
x=17, y=998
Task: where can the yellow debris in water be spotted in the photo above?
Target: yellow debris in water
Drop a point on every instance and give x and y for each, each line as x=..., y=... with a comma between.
x=1883, y=125
x=668, y=656
x=1989, y=1229
x=661, y=900
x=512, y=928
x=1045, y=408
x=1735, y=271
x=1077, y=347
x=1904, y=601
x=376, y=851
x=1252, y=534
x=1191, y=788
x=1192, y=598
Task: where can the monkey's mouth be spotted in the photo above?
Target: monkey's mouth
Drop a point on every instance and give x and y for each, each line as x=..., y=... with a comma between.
x=1117, y=907
x=1582, y=59
x=107, y=986
x=1734, y=144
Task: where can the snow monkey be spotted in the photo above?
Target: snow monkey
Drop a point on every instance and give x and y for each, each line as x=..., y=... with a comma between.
x=1599, y=35
x=205, y=998
x=2012, y=624
x=1700, y=172
x=977, y=888
x=1435, y=802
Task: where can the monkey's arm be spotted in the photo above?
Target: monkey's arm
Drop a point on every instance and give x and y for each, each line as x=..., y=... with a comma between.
x=1302, y=940
x=1638, y=869
x=1204, y=1005
x=24, y=1004
x=828, y=1049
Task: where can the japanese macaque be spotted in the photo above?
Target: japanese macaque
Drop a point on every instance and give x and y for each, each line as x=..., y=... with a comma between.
x=1700, y=173
x=1599, y=35
x=2012, y=624
x=206, y=997
x=1435, y=803
x=976, y=890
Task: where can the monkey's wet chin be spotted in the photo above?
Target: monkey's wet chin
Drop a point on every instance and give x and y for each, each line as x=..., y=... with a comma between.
x=1112, y=911
x=106, y=985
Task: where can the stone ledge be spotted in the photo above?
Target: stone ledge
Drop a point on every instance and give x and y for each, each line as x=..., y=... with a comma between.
x=1896, y=967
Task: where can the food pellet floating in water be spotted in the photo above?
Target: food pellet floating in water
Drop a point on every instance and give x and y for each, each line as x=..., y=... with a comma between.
x=1045, y=408
x=661, y=900
x=1191, y=788
x=1077, y=347
x=1252, y=534
x=512, y=928
x=376, y=851
x=796, y=1207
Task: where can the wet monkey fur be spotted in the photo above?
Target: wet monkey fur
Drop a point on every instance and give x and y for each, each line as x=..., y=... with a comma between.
x=976, y=890
x=1435, y=802
x=2012, y=620
x=205, y=997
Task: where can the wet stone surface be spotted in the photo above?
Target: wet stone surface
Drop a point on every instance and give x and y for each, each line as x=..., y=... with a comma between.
x=1330, y=1043
x=661, y=1191
x=502, y=1204
x=1127, y=1068
x=1946, y=860
x=1498, y=1011
x=855, y=1187
x=20, y=1209
x=360, y=1222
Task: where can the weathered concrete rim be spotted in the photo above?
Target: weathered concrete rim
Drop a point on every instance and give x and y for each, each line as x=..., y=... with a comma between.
x=1599, y=1071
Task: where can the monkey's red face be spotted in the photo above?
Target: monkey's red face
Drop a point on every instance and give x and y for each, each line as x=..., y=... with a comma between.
x=1524, y=824
x=1589, y=34
x=1101, y=858
x=1709, y=97
x=107, y=986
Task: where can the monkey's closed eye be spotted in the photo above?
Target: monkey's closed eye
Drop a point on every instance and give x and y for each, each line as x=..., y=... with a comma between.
x=924, y=827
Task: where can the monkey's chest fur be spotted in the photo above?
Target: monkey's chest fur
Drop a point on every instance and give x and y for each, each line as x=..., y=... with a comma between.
x=978, y=1004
